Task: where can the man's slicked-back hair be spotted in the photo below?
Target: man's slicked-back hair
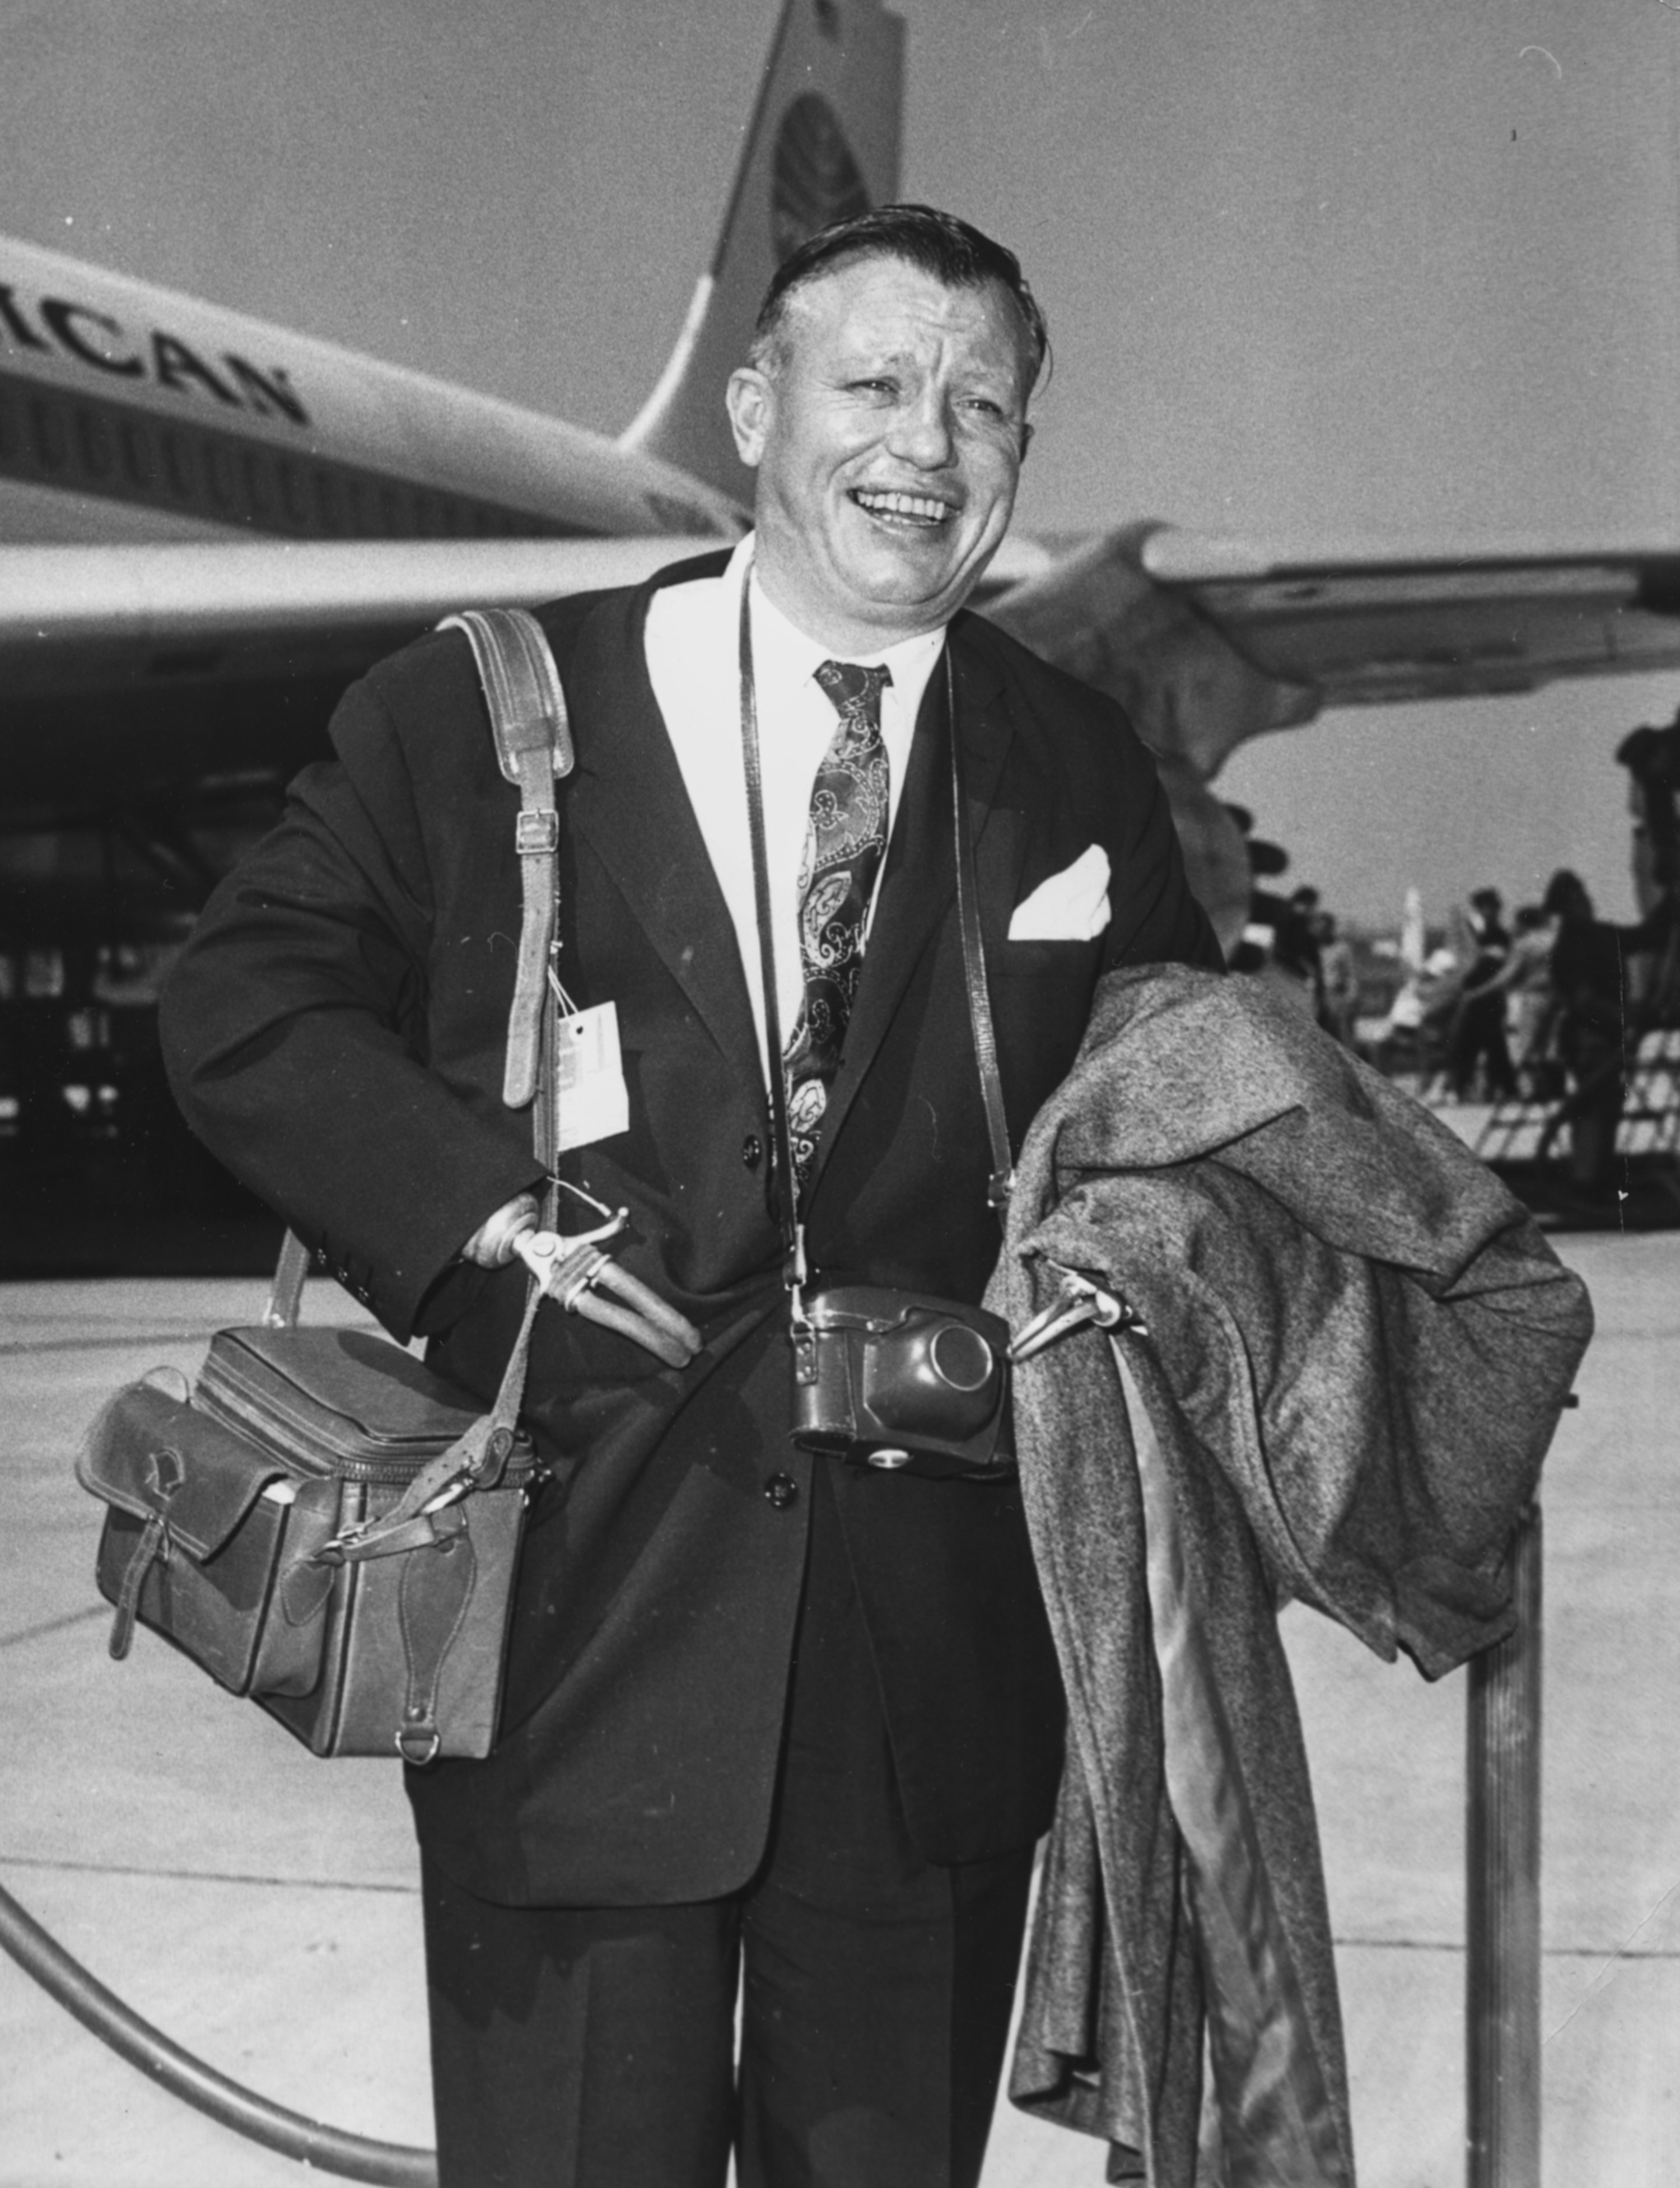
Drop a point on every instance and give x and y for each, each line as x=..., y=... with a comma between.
x=940, y=244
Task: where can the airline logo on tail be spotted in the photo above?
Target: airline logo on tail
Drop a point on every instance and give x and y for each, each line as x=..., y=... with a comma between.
x=823, y=143
x=815, y=178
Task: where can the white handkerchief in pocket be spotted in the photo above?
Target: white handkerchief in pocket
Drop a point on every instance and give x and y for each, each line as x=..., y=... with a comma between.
x=1071, y=906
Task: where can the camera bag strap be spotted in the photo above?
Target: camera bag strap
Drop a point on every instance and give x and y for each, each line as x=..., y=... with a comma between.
x=973, y=960
x=527, y=705
x=528, y=721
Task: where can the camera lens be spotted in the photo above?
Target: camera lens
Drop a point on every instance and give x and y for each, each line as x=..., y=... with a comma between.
x=962, y=1357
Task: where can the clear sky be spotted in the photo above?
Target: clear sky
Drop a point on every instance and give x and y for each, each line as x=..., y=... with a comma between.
x=1316, y=270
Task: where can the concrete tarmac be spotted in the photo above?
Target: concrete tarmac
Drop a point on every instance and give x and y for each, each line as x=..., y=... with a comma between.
x=260, y=1906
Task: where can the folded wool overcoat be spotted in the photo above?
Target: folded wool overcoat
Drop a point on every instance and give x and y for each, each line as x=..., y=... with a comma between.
x=1357, y=1346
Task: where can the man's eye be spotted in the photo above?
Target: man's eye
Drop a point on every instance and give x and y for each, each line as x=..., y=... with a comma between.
x=876, y=386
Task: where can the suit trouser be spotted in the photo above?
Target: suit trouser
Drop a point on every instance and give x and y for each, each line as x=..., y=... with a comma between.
x=593, y=2048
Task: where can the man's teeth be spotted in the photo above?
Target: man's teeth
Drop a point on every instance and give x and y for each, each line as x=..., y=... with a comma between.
x=921, y=506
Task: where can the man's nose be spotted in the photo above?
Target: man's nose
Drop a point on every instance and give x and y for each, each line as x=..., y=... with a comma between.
x=922, y=431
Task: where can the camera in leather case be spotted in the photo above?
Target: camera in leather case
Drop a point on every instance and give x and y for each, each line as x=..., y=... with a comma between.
x=902, y=1381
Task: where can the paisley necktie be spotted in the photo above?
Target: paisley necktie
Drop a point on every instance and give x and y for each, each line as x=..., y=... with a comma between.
x=844, y=844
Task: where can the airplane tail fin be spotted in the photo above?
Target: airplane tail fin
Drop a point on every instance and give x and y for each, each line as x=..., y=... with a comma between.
x=823, y=143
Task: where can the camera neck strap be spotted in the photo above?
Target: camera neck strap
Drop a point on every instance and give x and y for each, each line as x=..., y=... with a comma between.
x=795, y=1269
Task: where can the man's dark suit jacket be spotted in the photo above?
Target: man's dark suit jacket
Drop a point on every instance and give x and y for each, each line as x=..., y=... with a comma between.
x=335, y=1033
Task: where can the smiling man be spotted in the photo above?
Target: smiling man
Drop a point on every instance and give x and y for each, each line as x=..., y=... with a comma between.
x=886, y=413
x=775, y=1725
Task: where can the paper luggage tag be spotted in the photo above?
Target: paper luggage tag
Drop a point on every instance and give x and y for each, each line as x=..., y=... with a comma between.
x=591, y=1100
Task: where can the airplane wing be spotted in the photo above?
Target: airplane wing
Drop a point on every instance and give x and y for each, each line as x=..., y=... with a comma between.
x=1210, y=641
x=147, y=670
x=1369, y=626
x=76, y=614
x=1207, y=642
x=125, y=671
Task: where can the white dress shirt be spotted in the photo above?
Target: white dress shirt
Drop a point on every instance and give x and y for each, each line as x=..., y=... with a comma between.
x=693, y=662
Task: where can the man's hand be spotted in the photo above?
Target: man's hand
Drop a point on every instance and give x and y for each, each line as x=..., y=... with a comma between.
x=491, y=1245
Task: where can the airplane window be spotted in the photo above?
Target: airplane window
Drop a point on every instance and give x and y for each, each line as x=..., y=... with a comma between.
x=94, y=436
x=256, y=488
x=43, y=974
x=291, y=493
x=136, y=459
x=49, y=433
x=177, y=464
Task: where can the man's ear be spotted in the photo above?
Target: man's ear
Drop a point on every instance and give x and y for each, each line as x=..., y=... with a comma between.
x=1026, y=440
x=750, y=398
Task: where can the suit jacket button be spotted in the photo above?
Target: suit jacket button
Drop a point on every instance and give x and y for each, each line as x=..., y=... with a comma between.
x=782, y=1490
x=752, y=1151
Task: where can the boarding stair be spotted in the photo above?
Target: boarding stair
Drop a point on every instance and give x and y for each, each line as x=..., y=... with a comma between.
x=1526, y=1137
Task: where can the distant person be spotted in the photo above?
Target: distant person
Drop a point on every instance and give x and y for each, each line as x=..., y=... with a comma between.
x=1599, y=1027
x=1412, y=1034
x=1338, y=979
x=1296, y=947
x=1486, y=923
x=1476, y=1046
x=1284, y=951
x=1254, y=952
x=1652, y=759
x=1531, y=999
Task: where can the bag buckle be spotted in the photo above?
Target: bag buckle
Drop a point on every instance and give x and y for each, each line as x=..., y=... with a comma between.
x=418, y=1739
x=796, y=1274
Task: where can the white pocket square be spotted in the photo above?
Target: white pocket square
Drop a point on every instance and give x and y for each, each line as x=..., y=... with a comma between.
x=1071, y=906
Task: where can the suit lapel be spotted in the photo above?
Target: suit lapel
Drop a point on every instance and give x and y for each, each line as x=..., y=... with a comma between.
x=918, y=887
x=629, y=801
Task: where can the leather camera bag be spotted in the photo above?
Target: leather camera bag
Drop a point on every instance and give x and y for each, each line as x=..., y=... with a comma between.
x=321, y=1523
x=251, y=1523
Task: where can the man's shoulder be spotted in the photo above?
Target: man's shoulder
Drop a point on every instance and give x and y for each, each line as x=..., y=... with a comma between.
x=418, y=674
x=1083, y=724
x=1048, y=690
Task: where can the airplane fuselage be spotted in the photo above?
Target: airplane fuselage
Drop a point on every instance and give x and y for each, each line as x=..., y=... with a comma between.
x=131, y=413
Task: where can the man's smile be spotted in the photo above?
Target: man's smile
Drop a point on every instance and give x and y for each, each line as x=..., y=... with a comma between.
x=919, y=510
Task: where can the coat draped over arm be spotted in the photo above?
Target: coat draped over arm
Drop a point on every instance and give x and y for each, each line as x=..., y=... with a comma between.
x=1354, y=1345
